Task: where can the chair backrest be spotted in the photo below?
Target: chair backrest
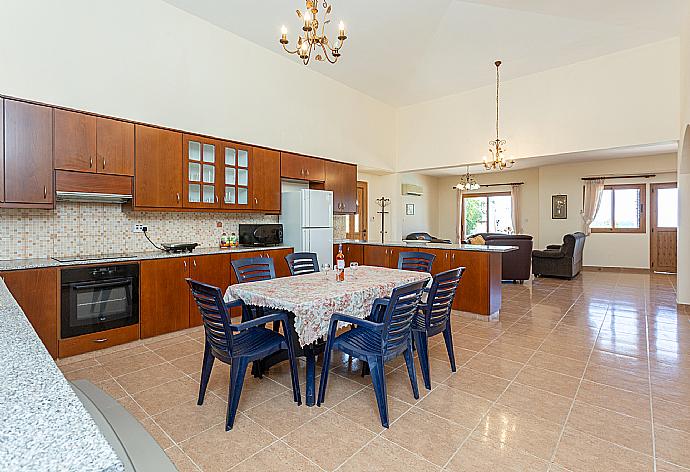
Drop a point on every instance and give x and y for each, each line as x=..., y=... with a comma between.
x=214, y=315
x=397, y=318
x=253, y=269
x=439, y=302
x=417, y=261
x=301, y=263
x=573, y=244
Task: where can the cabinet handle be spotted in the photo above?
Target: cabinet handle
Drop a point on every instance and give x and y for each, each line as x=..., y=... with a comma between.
x=216, y=197
x=90, y=162
x=101, y=340
x=256, y=201
x=307, y=171
x=178, y=197
x=45, y=192
x=185, y=264
x=301, y=171
x=104, y=162
x=194, y=262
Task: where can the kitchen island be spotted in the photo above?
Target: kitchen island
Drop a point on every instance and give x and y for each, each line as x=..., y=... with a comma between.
x=480, y=288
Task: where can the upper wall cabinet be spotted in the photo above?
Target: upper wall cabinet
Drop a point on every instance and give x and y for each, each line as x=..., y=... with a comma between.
x=28, y=156
x=266, y=180
x=87, y=143
x=341, y=179
x=200, y=166
x=236, y=166
x=294, y=166
x=158, y=170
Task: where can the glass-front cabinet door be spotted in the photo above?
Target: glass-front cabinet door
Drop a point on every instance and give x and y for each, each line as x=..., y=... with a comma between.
x=236, y=164
x=201, y=158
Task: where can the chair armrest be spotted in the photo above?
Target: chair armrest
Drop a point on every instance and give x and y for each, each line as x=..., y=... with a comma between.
x=547, y=254
x=260, y=321
x=553, y=246
x=355, y=321
x=234, y=304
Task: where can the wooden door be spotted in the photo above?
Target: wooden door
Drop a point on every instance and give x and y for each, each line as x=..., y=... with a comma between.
x=114, y=147
x=213, y=270
x=164, y=296
x=201, y=172
x=375, y=256
x=28, y=154
x=294, y=166
x=235, y=167
x=36, y=291
x=75, y=141
x=266, y=180
x=358, y=223
x=664, y=231
x=158, y=168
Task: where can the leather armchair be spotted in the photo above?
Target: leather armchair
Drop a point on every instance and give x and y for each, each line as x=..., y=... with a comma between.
x=564, y=260
x=516, y=264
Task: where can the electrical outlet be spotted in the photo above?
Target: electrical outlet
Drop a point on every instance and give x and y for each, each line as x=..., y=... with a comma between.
x=139, y=228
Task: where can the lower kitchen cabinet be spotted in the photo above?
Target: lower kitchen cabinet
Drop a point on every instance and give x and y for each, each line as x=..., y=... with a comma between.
x=163, y=296
x=376, y=256
x=36, y=292
x=213, y=270
x=352, y=253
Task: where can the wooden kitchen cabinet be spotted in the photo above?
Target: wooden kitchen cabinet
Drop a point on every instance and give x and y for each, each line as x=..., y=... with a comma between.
x=295, y=166
x=378, y=256
x=265, y=176
x=341, y=179
x=235, y=167
x=158, y=168
x=75, y=141
x=36, y=291
x=114, y=147
x=2, y=150
x=28, y=156
x=163, y=295
x=212, y=269
x=201, y=172
x=352, y=253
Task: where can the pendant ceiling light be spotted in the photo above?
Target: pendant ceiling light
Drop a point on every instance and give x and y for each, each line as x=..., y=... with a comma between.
x=467, y=182
x=497, y=162
x=315, y=39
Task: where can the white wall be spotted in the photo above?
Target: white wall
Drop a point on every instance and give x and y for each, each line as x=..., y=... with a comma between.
x=627, y=98
x=683, y=278
x=146, y=60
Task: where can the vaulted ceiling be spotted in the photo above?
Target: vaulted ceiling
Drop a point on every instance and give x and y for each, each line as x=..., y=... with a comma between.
x=406, y=51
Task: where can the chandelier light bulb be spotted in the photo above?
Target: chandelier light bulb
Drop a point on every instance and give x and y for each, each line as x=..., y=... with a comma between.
x=283, y=30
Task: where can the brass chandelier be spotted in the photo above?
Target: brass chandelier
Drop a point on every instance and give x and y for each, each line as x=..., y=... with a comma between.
x=497, y=162
x=314, y=40
x=467, y=182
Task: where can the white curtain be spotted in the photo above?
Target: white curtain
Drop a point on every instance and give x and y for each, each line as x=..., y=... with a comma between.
x=594, y=189
x=515, y=204
x=458, y=213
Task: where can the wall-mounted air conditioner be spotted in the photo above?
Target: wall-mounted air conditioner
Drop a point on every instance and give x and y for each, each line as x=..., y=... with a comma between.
x=412, y=189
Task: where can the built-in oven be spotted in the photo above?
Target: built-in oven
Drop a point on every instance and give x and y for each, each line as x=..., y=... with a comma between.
x=98, y=298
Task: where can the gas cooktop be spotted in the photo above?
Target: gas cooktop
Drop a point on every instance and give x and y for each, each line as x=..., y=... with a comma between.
x=93, y=257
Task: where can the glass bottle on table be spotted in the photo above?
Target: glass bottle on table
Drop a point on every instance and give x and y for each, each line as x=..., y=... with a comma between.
x=340, y=265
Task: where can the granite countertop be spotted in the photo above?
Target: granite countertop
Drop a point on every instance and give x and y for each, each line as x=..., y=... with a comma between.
x=20, y=264
x=454, y=247
x=43, y=425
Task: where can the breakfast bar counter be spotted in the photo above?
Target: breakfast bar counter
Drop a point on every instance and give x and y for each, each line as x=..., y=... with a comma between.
x=480, y=288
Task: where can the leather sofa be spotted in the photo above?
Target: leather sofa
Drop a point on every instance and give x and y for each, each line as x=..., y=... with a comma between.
x=564, y=260
x=426, y=237
x=516, y=264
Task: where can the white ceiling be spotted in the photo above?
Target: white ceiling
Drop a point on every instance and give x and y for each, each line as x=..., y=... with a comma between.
x=406, y=51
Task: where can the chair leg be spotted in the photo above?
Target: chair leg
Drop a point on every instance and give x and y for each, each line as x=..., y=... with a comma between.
x=237, y=370
x=409, y=360
x=422, y=343
x=448, y=338
x=379, y=380
x=323, y=382
x=206, y=368
x=297, y=396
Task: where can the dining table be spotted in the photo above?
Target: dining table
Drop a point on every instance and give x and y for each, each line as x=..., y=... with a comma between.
x=311, y=299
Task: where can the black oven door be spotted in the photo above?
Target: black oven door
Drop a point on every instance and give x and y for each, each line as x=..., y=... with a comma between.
x=98, y=305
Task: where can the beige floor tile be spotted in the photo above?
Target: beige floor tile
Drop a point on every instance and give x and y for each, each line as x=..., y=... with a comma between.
x=478, y=383
x=619, y=361
x=663, y=466
x=149, y=377
x=548, y=380
x=190, y=364
x=455, y=405
x=608, y=425
x=564, y=350
x=119, y=352
x=622, y=401
x=189, y=419
x=66, y=367
x=182, y=462
x=521, y=340
x=363, y=409
x=338, y=389
x=508, y=351
x=495, y=366
x=540, y=403
x=132, y=407
x=125, y=365
x=157, y=433
x=217, y=450
x=673, y=415
x=165, y=340
x=554, y=363
x=398, y=385
x=623, y=379
x=181, y=349
x=461, y=355
x=254, y=391
x=168, y=395
x=281, y=414
x=315, y=439
x=93, y=374
x=278, y=457
x=472, y=343
x=581, y=452
x=481, y=453
x=672, y=445
x=433, y=438
x=381, y=455
x=112, y=388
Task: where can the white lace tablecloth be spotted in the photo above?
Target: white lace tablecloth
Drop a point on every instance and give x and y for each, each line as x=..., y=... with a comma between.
x=313, y=298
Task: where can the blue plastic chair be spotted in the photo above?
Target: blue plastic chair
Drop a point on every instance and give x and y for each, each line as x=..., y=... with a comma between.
x=237, y=345
x=417, y=261
x=301, y=263
x=433, y=317
x=252, y=269
x=377, y=343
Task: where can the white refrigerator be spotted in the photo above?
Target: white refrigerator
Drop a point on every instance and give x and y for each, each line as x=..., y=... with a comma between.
x=307, y=218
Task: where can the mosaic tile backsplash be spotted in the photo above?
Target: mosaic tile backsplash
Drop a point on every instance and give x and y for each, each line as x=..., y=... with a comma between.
x=74, y=229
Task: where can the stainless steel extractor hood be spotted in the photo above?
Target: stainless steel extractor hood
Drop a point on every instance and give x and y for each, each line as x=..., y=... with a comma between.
x=63, y=196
